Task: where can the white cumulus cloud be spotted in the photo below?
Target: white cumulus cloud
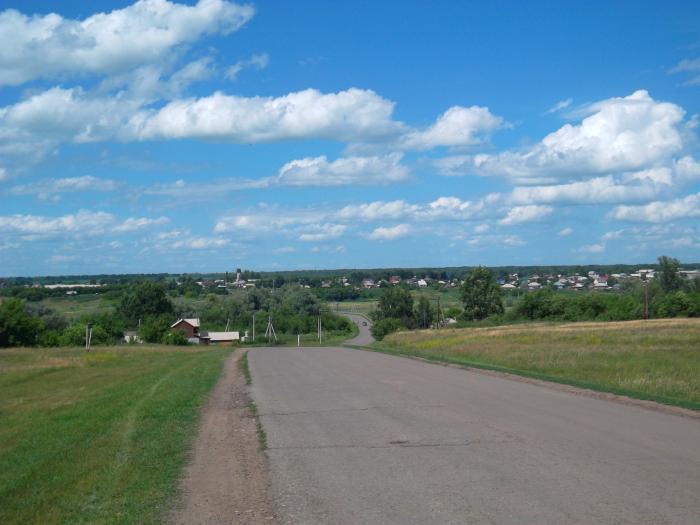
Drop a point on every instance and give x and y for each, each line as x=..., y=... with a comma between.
x=565, y=232
x=659, y=211
x=521, y=214
x=323, y=232
x=82, y=223
x=389, y=233
x=458, y=126
x=147, y=31
x=377, y=210
x=318, y=171
x=354, y=114
x=619, y=134
x=46, y=187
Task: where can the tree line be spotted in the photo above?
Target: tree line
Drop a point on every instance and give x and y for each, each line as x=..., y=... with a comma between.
x=147, y=308
x=668, y=295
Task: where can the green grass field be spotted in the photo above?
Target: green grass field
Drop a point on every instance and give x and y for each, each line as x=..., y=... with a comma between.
x=99, y=437
x=449, y=297
x=657, y=359
x=74, y=307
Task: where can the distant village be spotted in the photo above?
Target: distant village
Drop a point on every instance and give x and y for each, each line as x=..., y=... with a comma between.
x=510, y=282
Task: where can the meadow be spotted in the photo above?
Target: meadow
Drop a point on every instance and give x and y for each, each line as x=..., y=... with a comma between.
x=656, y=359
x=448, y=297
x=98, y=437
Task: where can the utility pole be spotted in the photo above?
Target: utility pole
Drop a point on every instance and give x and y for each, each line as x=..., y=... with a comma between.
x=253, y=326
x=270, y=331
x=646, y=297
x=88, y=336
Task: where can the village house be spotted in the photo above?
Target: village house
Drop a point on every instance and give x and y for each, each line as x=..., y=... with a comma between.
x=190, y=328
x=219, y=338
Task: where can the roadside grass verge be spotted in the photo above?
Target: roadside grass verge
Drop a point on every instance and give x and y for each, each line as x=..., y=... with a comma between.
x=99, y=437
x=245, y=368
x=251, y=406
x=657, y=360
x=329, y=339
x=259, y=430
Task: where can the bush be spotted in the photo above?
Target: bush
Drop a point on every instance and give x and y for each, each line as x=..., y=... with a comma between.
x=154, y=329
x=50, y=338
x=17, y=327
x=74, y=335
x=679, y=304
x=176, y=338
x=384, y=327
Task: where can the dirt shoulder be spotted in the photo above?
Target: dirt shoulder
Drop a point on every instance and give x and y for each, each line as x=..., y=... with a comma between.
x=227, y=480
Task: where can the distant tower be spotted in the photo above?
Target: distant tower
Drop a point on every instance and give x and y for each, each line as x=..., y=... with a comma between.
x=238, y=274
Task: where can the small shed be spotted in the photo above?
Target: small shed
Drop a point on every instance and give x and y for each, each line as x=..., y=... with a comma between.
x=219, y=338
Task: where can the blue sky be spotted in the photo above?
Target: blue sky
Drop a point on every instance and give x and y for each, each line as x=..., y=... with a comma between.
x=202, y=136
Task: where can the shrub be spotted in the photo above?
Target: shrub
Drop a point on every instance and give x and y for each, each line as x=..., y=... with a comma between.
x=176, y=338
x=384, y=327
x=17, y=327
x=154, y=329
x=74, y=335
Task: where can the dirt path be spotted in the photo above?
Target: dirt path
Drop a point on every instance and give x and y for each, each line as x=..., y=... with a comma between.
x=227, y=480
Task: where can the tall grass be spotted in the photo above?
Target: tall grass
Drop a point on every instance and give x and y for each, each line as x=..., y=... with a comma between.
x=657, y=359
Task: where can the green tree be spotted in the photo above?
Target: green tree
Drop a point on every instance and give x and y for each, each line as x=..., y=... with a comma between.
x=302, y=302
x=669, y=277
x=397, y=303
x=481, y=295
x=154, y=329
x=144, y=300
x=17, y=327
x=424, y=313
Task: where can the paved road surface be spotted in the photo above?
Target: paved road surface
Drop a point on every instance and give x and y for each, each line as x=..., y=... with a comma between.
x=363, y=324
x=362, y=438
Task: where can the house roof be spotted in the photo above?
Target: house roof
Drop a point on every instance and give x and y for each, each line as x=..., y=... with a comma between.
x=192, y=322
x=223, y=336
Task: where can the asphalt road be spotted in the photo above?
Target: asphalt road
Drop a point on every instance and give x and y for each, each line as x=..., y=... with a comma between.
x=362, y=438
x=364, y=337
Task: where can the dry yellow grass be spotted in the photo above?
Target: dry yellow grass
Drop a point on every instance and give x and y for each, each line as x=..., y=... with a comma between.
x=656, y=359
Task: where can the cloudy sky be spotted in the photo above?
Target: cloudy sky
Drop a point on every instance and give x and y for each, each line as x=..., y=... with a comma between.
x=201, y=136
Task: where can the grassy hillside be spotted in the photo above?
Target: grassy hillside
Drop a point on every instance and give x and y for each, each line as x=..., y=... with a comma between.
x=657, y=359
x=98, y=437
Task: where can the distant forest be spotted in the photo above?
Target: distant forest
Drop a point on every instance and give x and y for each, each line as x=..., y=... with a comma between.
x=353, y=274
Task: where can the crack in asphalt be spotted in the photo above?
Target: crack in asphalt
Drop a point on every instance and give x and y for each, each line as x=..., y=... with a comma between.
x=362, y=409
x=388, y=445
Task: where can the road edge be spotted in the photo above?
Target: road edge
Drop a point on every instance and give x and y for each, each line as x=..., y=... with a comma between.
x=646, y=404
